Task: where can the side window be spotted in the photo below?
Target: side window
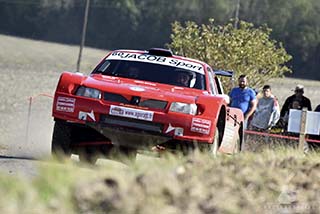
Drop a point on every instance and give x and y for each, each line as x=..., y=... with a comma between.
x=216, y=82
x=212, y=82
x=219, y=85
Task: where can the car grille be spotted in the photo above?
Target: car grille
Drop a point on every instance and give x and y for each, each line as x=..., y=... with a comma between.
x=115, y=98
x=131, y=123
x=135, y=100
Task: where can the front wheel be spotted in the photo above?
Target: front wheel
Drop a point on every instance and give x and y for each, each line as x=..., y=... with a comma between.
x=88, y=156
x=123, y=154
x=61, y=140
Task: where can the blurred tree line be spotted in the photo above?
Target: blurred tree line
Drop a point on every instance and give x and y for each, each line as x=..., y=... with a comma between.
x=143, y=24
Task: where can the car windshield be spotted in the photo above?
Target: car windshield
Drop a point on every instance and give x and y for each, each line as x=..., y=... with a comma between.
x=152, y=72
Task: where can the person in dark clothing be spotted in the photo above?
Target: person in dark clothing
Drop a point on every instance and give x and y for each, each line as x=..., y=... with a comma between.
x=283, y=122
x=183, y=79
x=298, y=96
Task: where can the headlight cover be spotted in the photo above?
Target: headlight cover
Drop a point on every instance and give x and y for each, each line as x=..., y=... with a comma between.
x=88, y=92
x=185, y=108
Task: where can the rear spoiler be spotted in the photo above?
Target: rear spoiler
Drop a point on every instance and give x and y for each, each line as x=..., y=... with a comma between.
x=224, y=73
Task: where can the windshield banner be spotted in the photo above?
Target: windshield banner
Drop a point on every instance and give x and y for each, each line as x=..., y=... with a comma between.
x=143, y=57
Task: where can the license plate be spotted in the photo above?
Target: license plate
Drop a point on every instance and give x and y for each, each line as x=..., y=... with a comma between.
x=131, y=113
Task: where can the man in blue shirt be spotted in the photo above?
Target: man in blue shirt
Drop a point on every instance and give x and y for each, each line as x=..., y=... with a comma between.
x=244, y=98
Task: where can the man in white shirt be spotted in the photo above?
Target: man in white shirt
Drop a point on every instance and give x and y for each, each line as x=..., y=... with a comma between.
x=267, y=112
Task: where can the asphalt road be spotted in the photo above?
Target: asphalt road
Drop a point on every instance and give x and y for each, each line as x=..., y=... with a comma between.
x=16, y=166
x=27, y=140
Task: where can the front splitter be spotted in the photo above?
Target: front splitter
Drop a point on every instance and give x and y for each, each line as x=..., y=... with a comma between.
x=129, y=137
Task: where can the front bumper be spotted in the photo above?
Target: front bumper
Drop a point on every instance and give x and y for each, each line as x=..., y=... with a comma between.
x=163, y=127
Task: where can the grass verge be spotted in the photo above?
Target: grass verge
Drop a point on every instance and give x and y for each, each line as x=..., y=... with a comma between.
x=266, y=182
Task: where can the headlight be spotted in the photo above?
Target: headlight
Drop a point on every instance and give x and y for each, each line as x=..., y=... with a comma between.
x=185, y=108
x=88, y=92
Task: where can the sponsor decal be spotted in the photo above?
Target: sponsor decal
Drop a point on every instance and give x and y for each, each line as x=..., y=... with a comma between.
x=197, y=67
x=177, y=130
x=131, y=113
x=170, y=128
x=200, y=125
x=229, y=134
x=65, y=104
x=84, y=115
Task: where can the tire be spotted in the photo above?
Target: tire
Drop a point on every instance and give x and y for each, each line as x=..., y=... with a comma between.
x=123, y=154
x=128, y=153
x=215, y=144
x=61, y=140
x=89, y=156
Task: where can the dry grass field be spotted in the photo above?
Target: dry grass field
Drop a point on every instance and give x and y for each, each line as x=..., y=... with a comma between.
x=282, y=181
x=269, y=182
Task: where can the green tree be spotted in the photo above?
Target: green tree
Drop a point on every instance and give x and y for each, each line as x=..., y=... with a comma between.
x=246, y=50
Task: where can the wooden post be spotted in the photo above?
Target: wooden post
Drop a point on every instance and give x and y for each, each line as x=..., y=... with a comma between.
x=302, y=136
x=236, y=19
x=84, y=31
x=28, y=119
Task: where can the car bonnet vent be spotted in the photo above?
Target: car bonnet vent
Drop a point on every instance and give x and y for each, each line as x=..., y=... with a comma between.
x=160, y=52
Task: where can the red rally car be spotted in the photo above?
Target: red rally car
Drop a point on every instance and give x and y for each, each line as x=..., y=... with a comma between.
x=140, y=100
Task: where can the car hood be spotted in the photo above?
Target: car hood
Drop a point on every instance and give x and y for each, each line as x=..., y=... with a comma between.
x=141, y=88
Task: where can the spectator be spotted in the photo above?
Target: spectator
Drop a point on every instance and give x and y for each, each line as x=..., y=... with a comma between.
x=283, y=122
x=295, y=101
x=298, y=96
x=267, y=112
x=244, y=98
x=317, y=108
